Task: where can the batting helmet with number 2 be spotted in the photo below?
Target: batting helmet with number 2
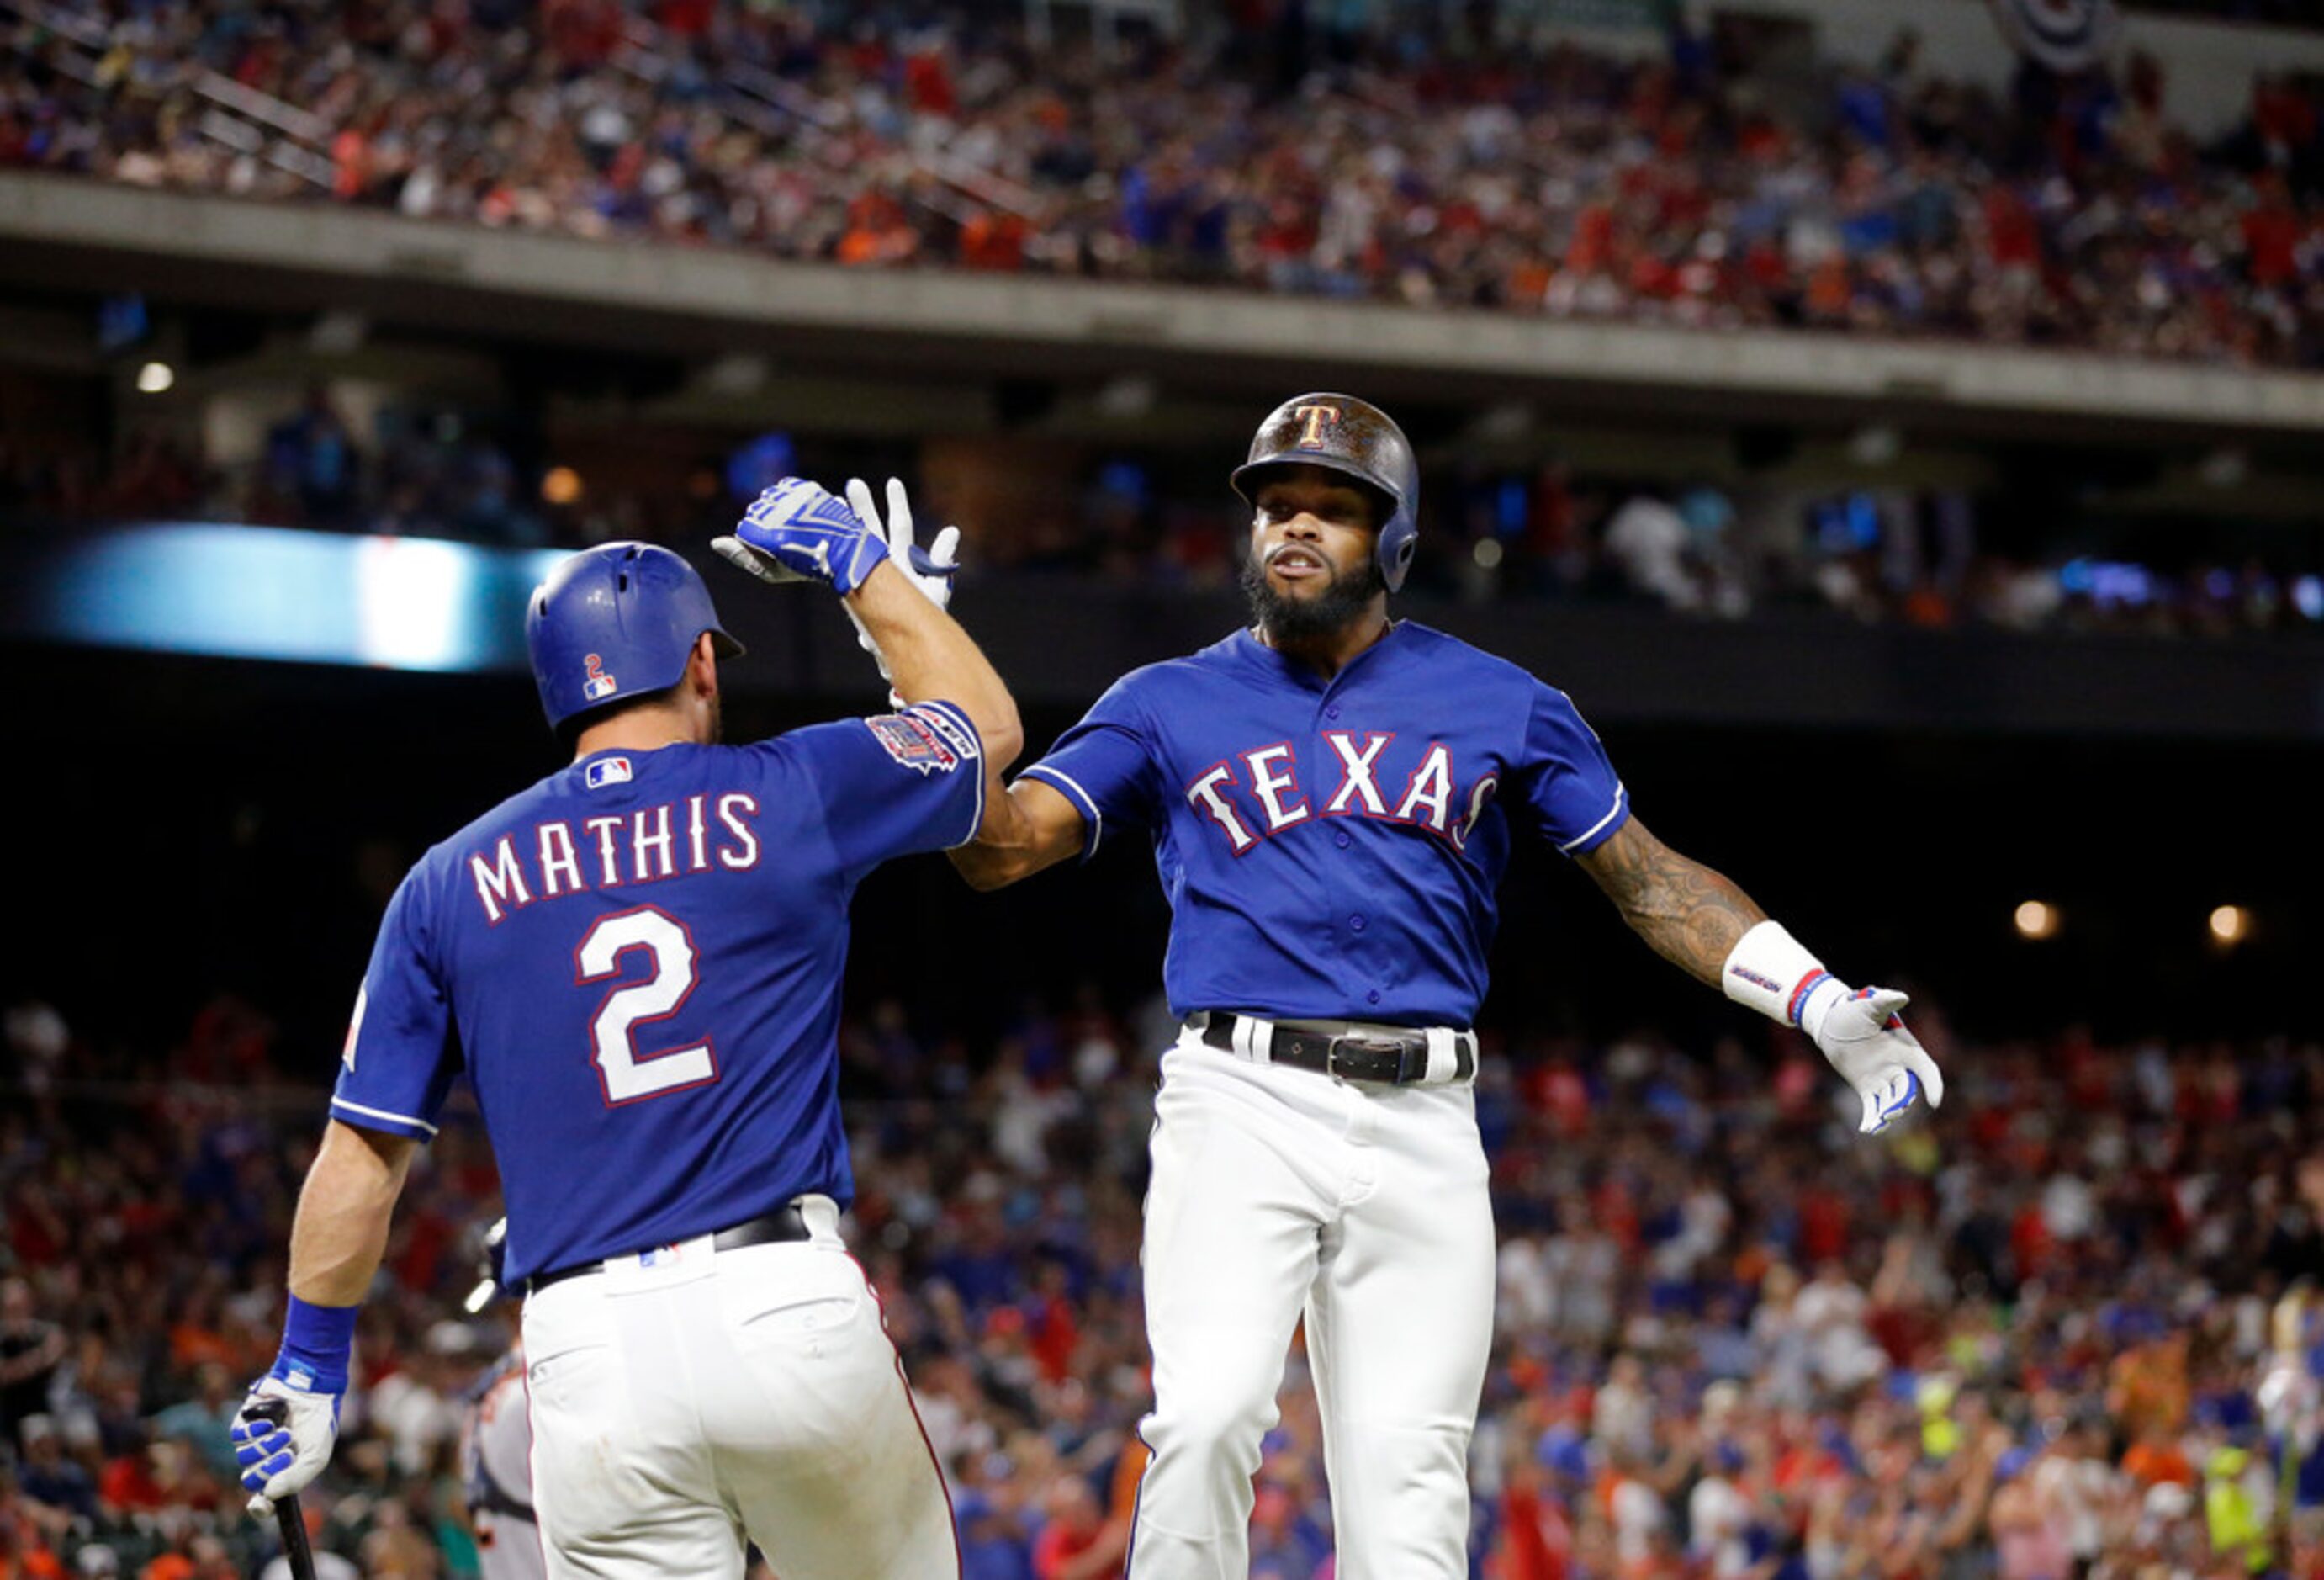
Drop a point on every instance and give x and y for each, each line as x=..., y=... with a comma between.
x=1349, y=436
x=614, y=623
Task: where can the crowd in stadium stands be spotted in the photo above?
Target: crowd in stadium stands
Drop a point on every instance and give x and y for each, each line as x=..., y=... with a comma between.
x=2068, y=1326
x=1428, y=156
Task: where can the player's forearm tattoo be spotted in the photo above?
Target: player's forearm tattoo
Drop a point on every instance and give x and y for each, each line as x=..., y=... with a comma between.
x=1690, y=915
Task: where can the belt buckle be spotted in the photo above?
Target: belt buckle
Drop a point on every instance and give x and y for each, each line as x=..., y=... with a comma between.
x=1357, y=1042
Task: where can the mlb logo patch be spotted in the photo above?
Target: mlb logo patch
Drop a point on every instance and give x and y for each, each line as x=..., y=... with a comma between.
x=606, y=771
x=911, y=741
x=595, y=684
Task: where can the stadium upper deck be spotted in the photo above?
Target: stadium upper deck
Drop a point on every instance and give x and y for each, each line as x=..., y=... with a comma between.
x=1674, y=190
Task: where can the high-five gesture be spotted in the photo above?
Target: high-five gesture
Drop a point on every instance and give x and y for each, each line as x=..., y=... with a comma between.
x=929, y=570
x=798, y=530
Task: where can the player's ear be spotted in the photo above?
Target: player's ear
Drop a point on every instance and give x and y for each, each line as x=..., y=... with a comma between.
x=702, y=666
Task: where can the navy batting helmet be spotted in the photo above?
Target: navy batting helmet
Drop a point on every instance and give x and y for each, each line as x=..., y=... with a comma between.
x=1350, y=436
x=614, y=623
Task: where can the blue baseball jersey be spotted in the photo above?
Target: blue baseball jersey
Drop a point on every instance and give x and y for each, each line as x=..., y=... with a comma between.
x=637, y=964
x=1333, y=850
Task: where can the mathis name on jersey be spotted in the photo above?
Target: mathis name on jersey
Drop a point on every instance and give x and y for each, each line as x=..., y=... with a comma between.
x=1257, y=795
x=700, y=834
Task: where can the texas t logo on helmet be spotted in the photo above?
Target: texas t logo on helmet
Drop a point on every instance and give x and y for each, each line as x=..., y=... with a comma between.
x=1317, y=420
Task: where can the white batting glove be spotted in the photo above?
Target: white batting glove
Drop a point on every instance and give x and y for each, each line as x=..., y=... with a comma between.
x=283, y=1438
x=1863, y=1035
x=930, y=569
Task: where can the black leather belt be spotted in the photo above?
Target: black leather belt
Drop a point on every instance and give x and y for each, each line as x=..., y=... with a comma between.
x=784, y=1224
x=1385, y=1054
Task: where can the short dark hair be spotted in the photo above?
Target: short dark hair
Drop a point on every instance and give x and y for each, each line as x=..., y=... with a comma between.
x=568, y=733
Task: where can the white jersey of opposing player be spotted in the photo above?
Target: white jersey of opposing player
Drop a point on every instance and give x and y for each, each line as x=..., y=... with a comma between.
x=495, y=1462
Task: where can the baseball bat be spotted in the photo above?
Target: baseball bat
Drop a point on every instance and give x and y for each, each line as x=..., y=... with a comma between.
x=288, y=1520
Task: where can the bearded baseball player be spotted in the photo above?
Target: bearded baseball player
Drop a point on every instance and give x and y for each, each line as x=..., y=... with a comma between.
x=637, y=964
x=1332, y=796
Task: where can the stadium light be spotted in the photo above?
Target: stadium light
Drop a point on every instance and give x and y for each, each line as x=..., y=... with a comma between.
x=156, y=377
x=2036, y=919
x=2230, y=925
x=560, y=485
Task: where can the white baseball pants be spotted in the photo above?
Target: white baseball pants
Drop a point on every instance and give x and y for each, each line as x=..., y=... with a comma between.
x=1276, y=1190
x=685, y=1400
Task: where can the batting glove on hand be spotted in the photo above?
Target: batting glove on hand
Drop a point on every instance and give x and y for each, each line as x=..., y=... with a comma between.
x=1864, y=1036
x=283, y=1438
x=797, y=532
x=930, y=569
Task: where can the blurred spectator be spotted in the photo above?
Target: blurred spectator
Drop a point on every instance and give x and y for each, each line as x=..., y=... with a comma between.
x=1649, y=541
x=311, y=458
x=201, y=1422
x=30, y=1347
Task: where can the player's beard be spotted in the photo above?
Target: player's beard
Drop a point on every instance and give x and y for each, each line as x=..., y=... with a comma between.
x=1325, y=611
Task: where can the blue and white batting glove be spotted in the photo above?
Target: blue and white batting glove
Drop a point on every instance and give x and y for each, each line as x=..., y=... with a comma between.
x=929, y=570
x=1863, y=1035
x=797, y=532
x=279, y=1456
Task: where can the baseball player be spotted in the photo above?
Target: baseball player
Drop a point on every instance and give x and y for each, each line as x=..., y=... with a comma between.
x=1332, y=796
x=497, y=1446
x=637, y=964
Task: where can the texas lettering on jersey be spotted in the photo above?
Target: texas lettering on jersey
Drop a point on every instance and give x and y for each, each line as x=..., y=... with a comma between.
x=1256, y=794
x=1332, y=848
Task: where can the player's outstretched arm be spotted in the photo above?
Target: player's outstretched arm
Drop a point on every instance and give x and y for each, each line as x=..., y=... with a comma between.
x=1700, y=922
x=1687, y=914
x=798, y=532
x=336, y=1241
x=930, y=657
x=1032, y=827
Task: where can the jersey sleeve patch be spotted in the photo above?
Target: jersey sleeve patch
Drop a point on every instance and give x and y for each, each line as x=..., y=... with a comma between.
x=926, y=739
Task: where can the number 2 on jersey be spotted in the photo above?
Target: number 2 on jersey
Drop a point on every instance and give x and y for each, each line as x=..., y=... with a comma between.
x=626, y=1075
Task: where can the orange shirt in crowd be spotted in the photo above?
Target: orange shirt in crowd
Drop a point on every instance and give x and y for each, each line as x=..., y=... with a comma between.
x=2152, y=1463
